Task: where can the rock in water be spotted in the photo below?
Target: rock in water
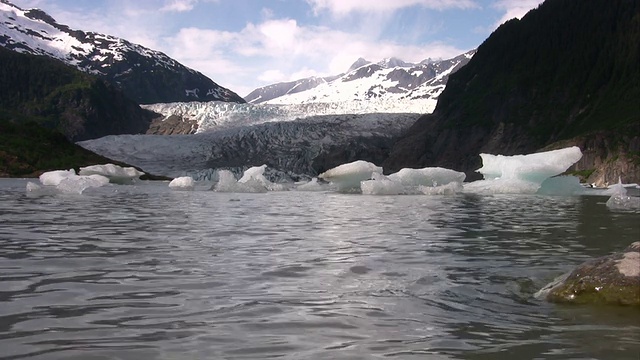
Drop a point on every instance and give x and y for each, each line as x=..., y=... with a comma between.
x=612, y=279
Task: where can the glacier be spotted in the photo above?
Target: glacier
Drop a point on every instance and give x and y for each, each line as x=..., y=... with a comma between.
x=218, y=115
x=297, y=149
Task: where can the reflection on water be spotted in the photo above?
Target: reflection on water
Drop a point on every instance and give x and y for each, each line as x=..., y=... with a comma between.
x=135, y=272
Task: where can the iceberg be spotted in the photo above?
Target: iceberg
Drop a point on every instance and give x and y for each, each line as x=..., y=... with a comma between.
x=522, y=174
x=182, y=183
x=381, y=185
x=347, y=177
x=429, y=176
x=115, y=174
x=53, y=178
x=311, y=185
x=66, y=181
x=620, y=200
x=252, y=181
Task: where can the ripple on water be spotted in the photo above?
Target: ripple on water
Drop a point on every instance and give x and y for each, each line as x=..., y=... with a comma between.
x=143, y=272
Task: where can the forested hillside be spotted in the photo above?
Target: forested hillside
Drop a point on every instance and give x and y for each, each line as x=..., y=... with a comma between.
x=566, y=73
x=80, y=106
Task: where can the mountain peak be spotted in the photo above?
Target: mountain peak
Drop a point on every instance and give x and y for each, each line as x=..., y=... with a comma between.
x=393, y=62
x=126, y=65
x=359, y=63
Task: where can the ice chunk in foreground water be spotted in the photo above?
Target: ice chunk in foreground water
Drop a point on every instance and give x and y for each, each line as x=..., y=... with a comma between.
x=347, y=177
x=182, y=183
x=531, y=167
x=66, y=181
x=522, y=174
x=620, y=200
x=77, y=184
x=381, y=185
x=429, y=176
x=115, y=174
x=53, y=178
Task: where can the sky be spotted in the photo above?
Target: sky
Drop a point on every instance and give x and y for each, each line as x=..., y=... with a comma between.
x=246, y=44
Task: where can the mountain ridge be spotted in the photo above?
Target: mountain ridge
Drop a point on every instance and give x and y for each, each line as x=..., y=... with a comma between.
x=390, y=79
x=145, y=75
x=567, y=72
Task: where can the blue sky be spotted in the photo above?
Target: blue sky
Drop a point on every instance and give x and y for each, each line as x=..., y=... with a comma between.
x=245, y=44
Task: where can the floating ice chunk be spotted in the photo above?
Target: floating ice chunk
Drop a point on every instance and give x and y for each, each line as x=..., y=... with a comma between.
x=451, y=188
x=115, y=174
x=33, y=187
x=66, y=181
x=501, y=186
x=312, y=185
x=347, y=177
x=381, y=185
x=532, y=167
x=227, y=183
x=256, y=172
x=429, y=176
x=182, y=183
x=561, y=185
x=78, y=184
x=620, y=200
x=254, y=177
x=53, y=178
x=522, y=174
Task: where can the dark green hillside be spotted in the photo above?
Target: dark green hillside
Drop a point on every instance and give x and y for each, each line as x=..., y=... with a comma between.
x=566, y=73
x=59, y=97
x=28, y=149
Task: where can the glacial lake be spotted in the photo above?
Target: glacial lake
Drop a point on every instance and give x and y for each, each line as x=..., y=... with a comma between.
x=143, y=272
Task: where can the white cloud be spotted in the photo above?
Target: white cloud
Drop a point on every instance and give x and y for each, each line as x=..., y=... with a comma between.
x=514, y=8
x=344, y=7
x=178, y=5
x=279, y=50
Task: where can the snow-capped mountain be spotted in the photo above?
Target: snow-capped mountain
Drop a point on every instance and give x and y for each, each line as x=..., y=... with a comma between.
x=389, y=80
x=145, y=75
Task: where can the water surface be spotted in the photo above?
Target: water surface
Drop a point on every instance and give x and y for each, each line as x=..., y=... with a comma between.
x=142, y=272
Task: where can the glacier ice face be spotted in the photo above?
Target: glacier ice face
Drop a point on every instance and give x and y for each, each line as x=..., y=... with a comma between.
x=218, y=115
x=294, y=147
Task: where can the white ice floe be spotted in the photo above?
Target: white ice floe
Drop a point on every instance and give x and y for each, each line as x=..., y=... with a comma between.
x=381, y=185
x=182, y=183
x=115, y=174
x=53, y=178
x=312, y=185
x=347, y=177
x=522, y=174
x=252, y=181
x=66, y=181
x=429, y=176
x=620, y=200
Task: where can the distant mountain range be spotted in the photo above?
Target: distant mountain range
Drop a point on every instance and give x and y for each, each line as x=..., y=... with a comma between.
x=388, y=80
x=144, y=75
